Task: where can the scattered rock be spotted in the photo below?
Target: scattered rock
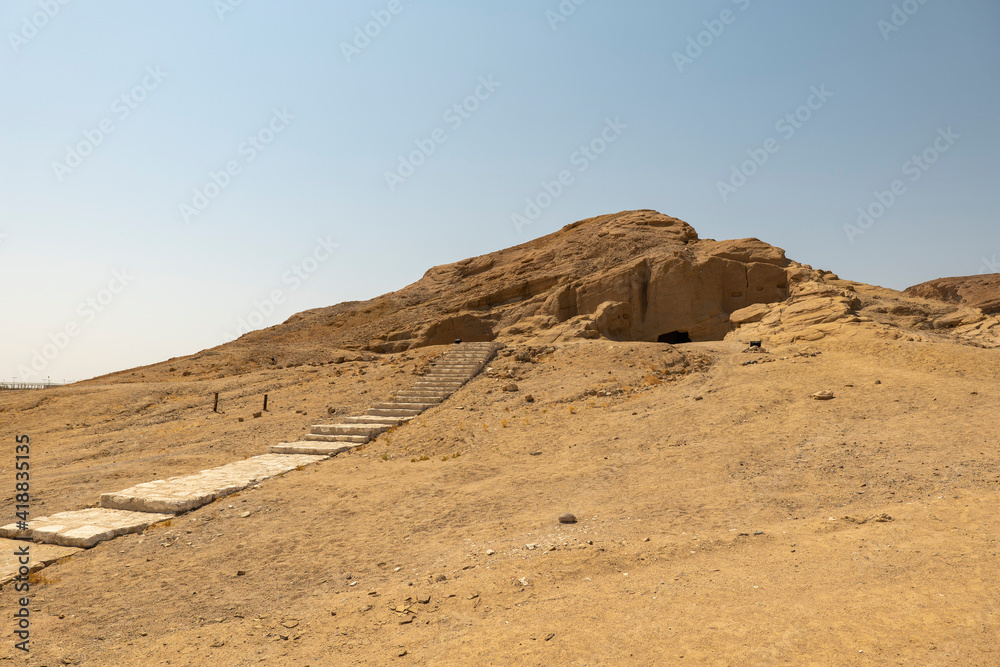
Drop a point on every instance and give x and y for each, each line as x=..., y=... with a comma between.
x=441, y=577
x=823, y=395
x=244, y=515
x=523, y=581
x=550, y=636
x=424, y=599
x=531, y=547
x=290, y=624
x=257, y=415
x=567, y=518
x=529, y=399
x=240, y=573
x=490, y=552
x=523, y=356
x=510, y=386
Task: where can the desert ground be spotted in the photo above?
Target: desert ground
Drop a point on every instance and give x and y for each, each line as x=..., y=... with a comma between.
x=725, y=515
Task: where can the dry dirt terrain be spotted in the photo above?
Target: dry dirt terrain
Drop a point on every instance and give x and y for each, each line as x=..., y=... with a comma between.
x=725, y=516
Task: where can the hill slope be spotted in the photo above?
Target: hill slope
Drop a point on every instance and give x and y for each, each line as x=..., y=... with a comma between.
x=726, y=516
x=981, y=292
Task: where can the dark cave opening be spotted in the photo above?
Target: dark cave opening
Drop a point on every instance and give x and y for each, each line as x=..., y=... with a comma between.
x=674, y=337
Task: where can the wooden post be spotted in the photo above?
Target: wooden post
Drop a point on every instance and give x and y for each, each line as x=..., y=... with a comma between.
x=216, y=408
x=265, y=402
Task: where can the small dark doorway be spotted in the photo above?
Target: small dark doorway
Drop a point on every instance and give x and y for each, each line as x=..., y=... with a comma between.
x=674, y=337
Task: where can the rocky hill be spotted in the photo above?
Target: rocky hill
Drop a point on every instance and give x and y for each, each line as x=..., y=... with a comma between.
x=981, y=292
x=633, y=276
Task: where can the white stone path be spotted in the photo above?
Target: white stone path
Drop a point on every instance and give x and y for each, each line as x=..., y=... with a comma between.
x=135, y=508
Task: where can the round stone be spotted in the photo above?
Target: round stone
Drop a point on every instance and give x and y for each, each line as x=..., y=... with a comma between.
x=567, y=518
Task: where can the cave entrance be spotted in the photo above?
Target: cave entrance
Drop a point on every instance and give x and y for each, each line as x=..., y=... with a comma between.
x=674, y=338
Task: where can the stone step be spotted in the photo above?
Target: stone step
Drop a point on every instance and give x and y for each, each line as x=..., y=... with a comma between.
x=84, y=528
x=314, y=447
x=446, y=376
x=38, y=556
x=351, y=439
x=181, y=494
x=425, y=401
x=445, y=373
x=376, y=420
x=348, y=429
x=423, y=393
x=403, y=405
x=437, y=385
x=392, y=412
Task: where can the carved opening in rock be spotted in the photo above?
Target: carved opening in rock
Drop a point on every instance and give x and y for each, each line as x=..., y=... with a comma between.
x=674, y=338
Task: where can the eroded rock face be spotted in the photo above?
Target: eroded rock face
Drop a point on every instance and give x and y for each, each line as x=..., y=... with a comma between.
x=637, y=275
x=981, y=292
x=817, y=309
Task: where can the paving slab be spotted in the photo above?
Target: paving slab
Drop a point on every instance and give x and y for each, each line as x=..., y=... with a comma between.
x=84, y=528
x=376, y=419
x=395, y=405
x=392, y=412
x=311, y=447
x=39, y=555
x=352, y=439
x=181, y=494
x=369, y=430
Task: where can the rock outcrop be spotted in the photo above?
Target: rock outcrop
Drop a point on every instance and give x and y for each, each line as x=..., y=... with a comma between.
x=637, y=275
x=981, y=292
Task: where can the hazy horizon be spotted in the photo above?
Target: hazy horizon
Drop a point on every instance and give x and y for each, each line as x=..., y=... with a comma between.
x=176, y=175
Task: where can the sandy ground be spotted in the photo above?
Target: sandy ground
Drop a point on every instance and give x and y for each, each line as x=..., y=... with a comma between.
x=725, y=517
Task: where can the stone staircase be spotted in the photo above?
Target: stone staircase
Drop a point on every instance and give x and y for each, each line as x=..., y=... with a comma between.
x=452, y=370
x=142, y=505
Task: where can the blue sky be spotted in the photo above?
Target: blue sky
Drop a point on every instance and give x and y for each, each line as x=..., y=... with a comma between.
x=174, y=173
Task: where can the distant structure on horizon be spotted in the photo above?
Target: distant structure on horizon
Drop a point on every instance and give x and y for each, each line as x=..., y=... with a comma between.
x=28, y=385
